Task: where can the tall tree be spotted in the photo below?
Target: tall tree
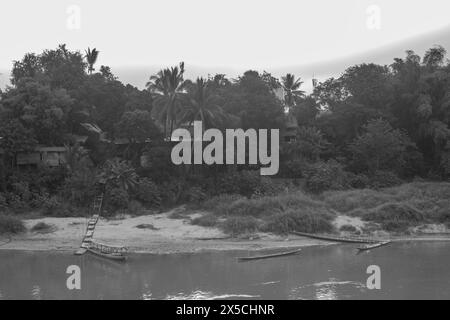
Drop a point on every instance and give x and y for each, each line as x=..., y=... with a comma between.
x=40, y=108
x=59, y=68
x=137, y=127
x=252, y=100
x=168, y=89
x=380, y=147
x=292, y=90
x=434, y=57
x=202, y=105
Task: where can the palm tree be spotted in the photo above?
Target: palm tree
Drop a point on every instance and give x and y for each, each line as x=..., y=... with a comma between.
x=118, y=173
x=201, y=106
x=292, y=90
x=91, y=58
x=168, y=88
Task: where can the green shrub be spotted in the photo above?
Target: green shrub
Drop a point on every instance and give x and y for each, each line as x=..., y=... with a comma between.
x=395, y=212
x=147, y=226
x=252, y=207
x=240, y=225
x=443, y=215
x=195, y=195
x=395, y=225
x=445, y=162
x=36, y=181
x=52, y=207
x=170, y=192
x=15, y=203
x=80, y=188
x=41, y=227
x=247, y=183
x=38, y=201
x=380, y=146
x=359, y=181
x=384, y=179
x=135, y=207
x=117, y=199
x=55, y=207
x=268, y=187
x=408, y=204
x=22, y=189
x=11, y=224
x=294, y=168
x=148, y=193
x=421, y=190
x=228, y=183
x=220, y=202
x=269, y=205
x=3, y=202
x=346, y=201
x=326, y=176
x=309, y=221
x=50, y=179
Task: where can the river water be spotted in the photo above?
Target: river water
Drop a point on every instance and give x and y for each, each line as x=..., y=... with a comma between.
x=414, y=270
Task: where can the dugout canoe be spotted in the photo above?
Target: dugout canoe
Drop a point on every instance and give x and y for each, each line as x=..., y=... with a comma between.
x=268, y=256
x=373, y=246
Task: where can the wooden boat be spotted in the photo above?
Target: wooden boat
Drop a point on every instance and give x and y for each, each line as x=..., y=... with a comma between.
x=99, y=249
x=107, y=251
x=373, y=246
x=111, y=256
x=335, y=239
x=275, y=255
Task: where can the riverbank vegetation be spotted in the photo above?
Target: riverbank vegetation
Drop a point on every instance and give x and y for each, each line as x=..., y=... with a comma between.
x=70, y=130
x=10, y=224
x=394, y=209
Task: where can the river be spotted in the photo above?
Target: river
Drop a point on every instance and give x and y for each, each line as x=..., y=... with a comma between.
x=413, y=270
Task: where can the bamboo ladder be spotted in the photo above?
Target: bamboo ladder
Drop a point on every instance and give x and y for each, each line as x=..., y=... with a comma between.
x=97, y=209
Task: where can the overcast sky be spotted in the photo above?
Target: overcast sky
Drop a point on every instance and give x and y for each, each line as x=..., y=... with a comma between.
x=231, y=33
x=216, y=35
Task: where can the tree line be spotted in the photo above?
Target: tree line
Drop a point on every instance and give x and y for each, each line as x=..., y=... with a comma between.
x=373, y=126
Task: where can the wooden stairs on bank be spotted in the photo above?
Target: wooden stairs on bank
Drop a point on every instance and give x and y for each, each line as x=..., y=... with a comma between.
x=97, y=209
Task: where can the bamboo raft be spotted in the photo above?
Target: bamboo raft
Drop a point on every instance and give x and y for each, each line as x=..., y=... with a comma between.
x=337, y=239
x=268, y=256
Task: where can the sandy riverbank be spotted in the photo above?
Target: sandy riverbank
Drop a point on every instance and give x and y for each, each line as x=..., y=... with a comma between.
x=159, y=234
x=162, y=234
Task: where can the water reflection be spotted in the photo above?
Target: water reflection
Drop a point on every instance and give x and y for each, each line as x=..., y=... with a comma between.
x=332, y=289
x=36, y=293
x=147, y=294
x=409, y=271
x=268, y=283
x=203, y=295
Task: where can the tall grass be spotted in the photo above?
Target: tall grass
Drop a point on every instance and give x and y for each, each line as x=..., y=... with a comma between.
x=268, y=205
x=300, y=220
x=240, y=225
x=395, y=209
x=280, y=214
